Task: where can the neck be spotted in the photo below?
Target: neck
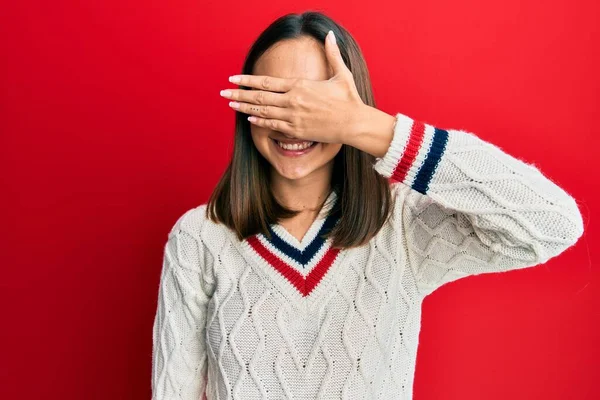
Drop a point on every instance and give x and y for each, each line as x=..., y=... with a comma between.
x=304, y=194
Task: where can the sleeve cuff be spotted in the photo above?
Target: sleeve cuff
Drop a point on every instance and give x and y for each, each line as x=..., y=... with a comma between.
x=414, y=153
x=402, y=129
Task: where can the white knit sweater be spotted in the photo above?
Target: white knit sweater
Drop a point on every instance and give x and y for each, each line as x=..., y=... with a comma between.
x=289, y=319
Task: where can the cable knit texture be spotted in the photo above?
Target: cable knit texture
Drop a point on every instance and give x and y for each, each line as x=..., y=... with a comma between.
x=281, y=318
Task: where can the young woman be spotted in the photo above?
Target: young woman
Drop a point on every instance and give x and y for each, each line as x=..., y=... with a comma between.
x=304, y=274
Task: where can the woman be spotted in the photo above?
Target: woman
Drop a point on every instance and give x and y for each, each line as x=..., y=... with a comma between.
x=304, y=274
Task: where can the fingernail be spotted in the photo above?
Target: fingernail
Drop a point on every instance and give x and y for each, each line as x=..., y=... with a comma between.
x=234, y=104
x=226, y=93
x=331, y=37
x=235, y=79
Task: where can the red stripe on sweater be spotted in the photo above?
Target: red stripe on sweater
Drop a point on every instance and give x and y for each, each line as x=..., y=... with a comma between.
x=415, y=140
x=304, y=286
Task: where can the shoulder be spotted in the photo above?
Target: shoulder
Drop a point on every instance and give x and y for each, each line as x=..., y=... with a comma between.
x=190, y=243
x=187, y=239
x=194, y=221
x=191, y=220
x=194, y=227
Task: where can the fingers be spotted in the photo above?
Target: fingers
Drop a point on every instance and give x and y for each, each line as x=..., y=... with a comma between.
x=259, y=103
x=256, y=97
x=274, y=124
x=263, y=111
x=263, y=82
x=333, y=55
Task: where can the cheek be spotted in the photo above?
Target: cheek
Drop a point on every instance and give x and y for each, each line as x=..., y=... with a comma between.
x=334, y=148
x=330, y=150
x=260, y=137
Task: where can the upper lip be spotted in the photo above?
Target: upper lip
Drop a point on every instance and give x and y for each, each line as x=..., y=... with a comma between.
x=288, y=141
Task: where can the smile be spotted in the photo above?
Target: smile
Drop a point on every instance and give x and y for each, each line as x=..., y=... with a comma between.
x=294, y=149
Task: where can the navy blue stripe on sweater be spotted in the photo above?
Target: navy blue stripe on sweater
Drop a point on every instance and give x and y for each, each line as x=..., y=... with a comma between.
x=303, y=257
x=438, y=145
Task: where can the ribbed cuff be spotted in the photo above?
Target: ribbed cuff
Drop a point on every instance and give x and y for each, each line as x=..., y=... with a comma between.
x=414, y=153
x=387, y=164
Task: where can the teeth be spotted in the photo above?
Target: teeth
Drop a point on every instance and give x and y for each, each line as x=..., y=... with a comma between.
x=295, y=146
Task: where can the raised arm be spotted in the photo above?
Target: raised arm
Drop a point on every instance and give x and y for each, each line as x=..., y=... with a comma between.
x=465, y=206
x=179, y=352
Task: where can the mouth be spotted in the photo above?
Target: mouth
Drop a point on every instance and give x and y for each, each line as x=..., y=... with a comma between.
x=294, y=149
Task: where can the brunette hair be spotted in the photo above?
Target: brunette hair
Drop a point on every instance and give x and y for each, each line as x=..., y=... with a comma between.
x=243, y=200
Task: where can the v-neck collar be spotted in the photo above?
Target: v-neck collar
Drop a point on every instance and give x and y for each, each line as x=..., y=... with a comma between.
x=303, y=264
x=283, y=240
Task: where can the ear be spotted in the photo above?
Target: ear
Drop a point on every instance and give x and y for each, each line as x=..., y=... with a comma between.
x=334, y=57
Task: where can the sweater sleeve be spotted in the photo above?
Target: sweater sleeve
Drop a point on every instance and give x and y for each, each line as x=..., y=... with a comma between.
x=179, y=361
x=466, y=207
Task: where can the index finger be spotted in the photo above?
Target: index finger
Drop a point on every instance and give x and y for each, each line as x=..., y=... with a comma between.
x=263, y=82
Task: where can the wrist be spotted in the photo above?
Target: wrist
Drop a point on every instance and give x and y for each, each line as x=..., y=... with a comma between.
x=372, y=132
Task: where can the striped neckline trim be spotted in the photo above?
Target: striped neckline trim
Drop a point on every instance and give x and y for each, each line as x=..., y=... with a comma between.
x=315, y=259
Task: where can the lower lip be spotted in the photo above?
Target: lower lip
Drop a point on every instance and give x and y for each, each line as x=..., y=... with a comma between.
x=294, y=153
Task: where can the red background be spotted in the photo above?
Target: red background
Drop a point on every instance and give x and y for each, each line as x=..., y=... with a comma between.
x=112, y=126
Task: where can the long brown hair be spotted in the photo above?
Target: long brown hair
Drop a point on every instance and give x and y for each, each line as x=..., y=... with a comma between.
x=242, y=199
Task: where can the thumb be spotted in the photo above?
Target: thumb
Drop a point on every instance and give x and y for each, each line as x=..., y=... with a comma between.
x=334, y=57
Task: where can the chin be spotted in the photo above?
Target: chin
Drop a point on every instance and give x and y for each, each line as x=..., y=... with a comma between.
x=293, y=172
